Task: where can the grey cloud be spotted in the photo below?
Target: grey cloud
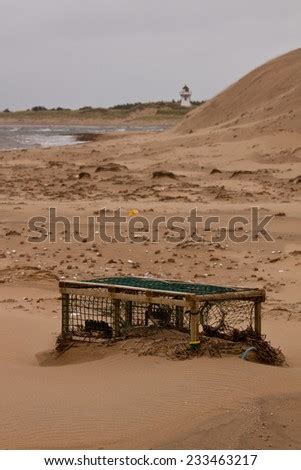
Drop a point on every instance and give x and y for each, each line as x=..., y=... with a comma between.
x=102, y=52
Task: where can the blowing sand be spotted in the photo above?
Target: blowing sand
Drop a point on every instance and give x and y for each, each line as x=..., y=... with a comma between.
x=114, y=398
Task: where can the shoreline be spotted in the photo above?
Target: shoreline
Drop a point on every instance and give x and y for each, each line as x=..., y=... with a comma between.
x=60, y=136
x=165, y=113
x=88, y=122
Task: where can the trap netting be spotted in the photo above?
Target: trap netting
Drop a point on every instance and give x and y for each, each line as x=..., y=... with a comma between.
x=83, y=315
x=93, y=317
x=226, y=316
x=87, y=316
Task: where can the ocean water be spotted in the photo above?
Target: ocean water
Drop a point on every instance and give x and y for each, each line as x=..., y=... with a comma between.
x=27, y=136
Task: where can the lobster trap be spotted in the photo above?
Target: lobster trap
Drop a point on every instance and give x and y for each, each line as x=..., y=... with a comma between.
x=112, y=307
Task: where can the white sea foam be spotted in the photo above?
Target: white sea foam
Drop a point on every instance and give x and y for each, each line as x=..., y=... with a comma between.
x=28, y=136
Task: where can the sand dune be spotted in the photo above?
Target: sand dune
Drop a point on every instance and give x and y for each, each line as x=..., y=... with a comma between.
x=117, y=400
x=270, y=94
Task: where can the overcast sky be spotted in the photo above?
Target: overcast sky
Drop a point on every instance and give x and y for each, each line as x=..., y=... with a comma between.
x=74, y=53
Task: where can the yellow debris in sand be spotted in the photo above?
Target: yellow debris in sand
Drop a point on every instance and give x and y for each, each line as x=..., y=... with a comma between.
x=133, y=212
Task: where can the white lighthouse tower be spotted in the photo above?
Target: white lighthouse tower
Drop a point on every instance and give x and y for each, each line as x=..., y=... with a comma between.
x=185, y=94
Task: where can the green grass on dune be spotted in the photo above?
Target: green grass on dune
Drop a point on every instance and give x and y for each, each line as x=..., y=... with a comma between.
x=157, y=111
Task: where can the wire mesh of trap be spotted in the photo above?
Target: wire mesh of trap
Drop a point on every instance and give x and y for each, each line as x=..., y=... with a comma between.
x=227, y=315
x=85, y=311
x=90, y=317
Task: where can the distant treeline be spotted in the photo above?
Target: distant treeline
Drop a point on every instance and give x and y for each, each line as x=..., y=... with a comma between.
x=155, y=104
x=40, y=108
x=126, y=107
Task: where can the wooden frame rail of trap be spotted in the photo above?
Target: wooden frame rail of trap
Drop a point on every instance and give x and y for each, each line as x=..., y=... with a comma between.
x=130, y=295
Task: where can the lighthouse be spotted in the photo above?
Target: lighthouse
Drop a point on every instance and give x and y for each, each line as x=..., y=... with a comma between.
x=185, y=94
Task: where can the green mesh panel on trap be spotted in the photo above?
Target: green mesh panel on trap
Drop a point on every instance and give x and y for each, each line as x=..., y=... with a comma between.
x=163, y=285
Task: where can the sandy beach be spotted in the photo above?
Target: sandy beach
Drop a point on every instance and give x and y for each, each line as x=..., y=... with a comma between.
x=242, y=149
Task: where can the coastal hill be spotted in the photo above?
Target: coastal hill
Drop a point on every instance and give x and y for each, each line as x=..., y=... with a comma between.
x=267, y=98
x=153, y=112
